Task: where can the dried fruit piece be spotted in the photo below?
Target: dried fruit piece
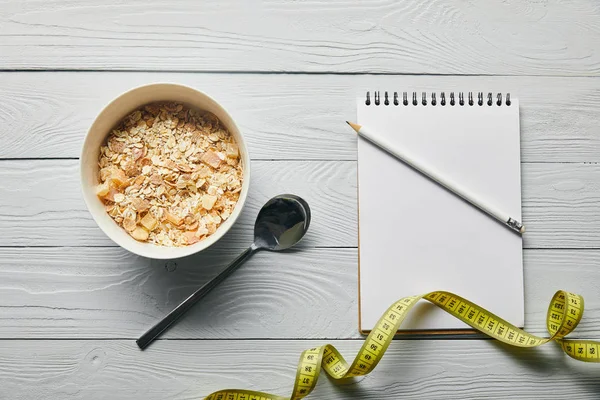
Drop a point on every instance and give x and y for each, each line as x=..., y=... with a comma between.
x=232, y=150
x=149, y=222
x=208, y=201
x=212, y=228
x=118, y=177
x=190, y=237
x=139, y=180
x=173, y=218
x=102, y=189
x=211, y=158
x=110, y=196
x=140, y=234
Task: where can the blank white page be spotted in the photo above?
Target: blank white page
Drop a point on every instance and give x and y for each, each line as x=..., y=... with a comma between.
x=415, y=236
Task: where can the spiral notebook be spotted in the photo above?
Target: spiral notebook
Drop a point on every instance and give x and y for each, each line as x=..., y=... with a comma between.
x=414, y=235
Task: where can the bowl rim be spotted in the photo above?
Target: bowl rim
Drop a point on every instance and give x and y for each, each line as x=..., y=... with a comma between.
x=185, y=250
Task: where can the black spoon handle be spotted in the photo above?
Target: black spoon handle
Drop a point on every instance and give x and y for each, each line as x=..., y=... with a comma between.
x=188, y=303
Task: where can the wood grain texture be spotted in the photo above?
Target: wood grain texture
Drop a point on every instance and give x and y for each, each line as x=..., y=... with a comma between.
x=417, y=36
x=559, y=205
x=290, y=116
x=111, y=293
x=42, y=204
x=96, y=300
x=183, y=370
x=77, y=293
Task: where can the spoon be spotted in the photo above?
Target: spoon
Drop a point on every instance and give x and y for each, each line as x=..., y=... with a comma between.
x=280, y=224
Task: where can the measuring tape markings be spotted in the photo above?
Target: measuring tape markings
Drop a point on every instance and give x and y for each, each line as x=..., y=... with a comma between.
x=564, y=313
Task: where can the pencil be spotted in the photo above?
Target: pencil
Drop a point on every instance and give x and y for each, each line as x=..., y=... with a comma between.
x=436, y=176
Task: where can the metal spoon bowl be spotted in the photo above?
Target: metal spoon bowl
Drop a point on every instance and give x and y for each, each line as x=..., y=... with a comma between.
x=280, y=224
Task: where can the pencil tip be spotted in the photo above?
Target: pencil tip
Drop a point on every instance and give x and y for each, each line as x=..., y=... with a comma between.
x=354, y=126
x=522, y=230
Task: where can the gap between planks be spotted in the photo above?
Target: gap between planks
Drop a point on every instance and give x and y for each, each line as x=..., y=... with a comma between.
x=293, y=72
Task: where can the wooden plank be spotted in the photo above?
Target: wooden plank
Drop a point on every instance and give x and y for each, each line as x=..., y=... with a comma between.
x=310, y=293
x=559, y=205
x=416, y=36
x=290, y=116
x=193, y=369
x=42, y=203
x=111, y=293
x=42, y=206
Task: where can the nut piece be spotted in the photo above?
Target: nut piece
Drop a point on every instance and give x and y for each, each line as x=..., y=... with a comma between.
x=155, y=179
x=129, y=224
x=140, y=234
x=138, y=153
x=140, y=205
x=149, y=222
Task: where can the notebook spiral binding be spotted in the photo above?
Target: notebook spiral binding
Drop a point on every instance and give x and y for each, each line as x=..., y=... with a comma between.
x=500, y=100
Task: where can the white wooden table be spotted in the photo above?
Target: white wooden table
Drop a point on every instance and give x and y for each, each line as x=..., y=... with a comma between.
x=72, y=303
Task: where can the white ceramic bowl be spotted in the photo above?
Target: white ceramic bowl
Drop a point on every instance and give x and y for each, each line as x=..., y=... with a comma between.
x=110, y=116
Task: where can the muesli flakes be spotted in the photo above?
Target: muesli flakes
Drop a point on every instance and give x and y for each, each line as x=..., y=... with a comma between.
x=170, y=174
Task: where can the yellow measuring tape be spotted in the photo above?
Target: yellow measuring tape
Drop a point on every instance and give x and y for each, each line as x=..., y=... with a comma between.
x=564, y=313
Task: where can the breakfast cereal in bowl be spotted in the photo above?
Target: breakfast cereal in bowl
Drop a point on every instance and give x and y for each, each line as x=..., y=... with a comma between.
x=164, y=171
x=169, y=174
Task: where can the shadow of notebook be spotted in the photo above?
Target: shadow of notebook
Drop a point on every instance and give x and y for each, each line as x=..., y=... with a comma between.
x=415, y=236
